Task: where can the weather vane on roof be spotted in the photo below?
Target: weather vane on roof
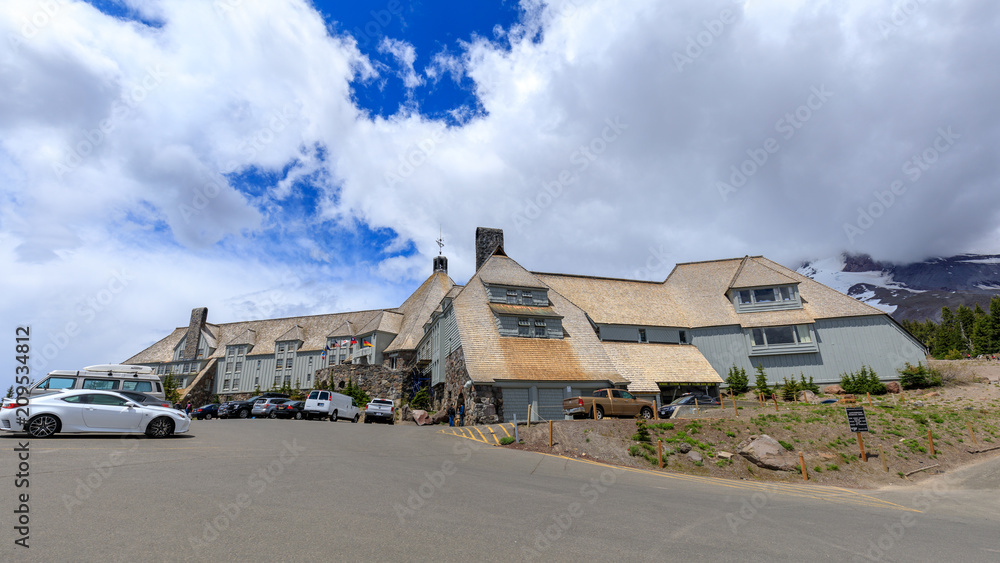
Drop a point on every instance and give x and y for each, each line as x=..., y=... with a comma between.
x=440, y=242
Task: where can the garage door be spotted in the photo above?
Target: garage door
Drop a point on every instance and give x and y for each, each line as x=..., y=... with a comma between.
x=515, y=401
x=550, y=404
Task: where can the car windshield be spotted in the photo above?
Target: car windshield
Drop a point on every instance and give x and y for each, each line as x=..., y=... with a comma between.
x=681, y=400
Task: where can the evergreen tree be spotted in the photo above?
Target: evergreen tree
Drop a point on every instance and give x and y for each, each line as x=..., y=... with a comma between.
x=761, y=382
x=737, y=380
x=995, y=318
x=948, y=336
x=10, y=392
x=982, y=334
x=966, y=319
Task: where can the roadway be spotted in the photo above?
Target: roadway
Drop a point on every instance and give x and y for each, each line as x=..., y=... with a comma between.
x=315, y=490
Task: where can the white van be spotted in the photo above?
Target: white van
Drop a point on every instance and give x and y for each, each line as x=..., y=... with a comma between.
x=321, y=403
x=105, y=377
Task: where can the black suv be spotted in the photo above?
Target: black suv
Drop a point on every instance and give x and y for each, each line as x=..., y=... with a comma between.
x=689, y=399
x=241, y=409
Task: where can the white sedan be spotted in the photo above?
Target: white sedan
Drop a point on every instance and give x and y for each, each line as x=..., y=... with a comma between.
x=90, y=411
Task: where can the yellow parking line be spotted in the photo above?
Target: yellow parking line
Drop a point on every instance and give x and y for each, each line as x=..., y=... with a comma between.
x=504, y=430
x=494, y=435
x=481, y=434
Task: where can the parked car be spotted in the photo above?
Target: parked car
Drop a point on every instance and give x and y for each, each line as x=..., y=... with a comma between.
x=380, y=409
x=689, y=399
x=90, y=411
x=144, y=398
x=207, y=412
x=608, y=402
x=241, y=409
x=321, y=403
x=105, y=377
x=290, y=409
x=265, y=407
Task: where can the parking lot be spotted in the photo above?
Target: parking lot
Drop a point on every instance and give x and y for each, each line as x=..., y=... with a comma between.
x=290, y=490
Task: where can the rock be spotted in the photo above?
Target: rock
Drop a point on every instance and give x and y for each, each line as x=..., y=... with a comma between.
x=764, y=451
x=684, y=447
x=893, y=387
x=421, y=417
x=695, y=457
x=806, y=396
x=917, y=403
x=405, y=413
x=439, y=417
x=834, y=390
x=931, y=394
x=724, y=455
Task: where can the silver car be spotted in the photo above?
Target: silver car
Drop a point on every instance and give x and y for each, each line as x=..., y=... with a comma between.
x=265, y=407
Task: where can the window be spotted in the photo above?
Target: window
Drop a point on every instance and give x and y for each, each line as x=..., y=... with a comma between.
x=239, y=367
x=55, y=382
x=141, y=386
x=236, y=384
x=786, y=294
x=781, y=339
x=229, y=367
x=279, y=364
x=277, y=380
x=526, y=297
x=288, y=363
x=683, y=337
x=256, y=380
x=225, y=385
x=512, y=296
x=109, y=400
x=627, y=395
x=524, y=327
x=763, y=295
x=74, y=398
x=101, y=384
x=281, y=347
x=642, y=335
x=392, y=363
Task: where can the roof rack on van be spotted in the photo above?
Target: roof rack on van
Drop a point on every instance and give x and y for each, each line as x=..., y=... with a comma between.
x=120, y=368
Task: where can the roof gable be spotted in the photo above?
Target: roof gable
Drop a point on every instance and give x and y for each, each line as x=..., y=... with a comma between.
x=752, y=273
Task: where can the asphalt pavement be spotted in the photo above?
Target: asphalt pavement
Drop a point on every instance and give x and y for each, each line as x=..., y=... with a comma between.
x=282, y=490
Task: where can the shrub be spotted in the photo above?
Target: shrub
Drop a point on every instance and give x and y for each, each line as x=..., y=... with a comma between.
x=789, y=389
x=357, y=393
x=954, y=355
x=737, y=380
x=919, y=377
x=641, y=431
x=170, y=391
x=506, y=440
x=422, y=399
x=761, y=383
x=786, y=445
x=864, y=381
x=807, y=386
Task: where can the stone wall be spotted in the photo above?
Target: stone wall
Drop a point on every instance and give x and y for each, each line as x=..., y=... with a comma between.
x=200, y=392
x=376, y=380
x=483, y=403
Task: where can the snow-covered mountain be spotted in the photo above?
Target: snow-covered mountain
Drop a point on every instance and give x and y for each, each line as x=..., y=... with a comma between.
x=914, y=291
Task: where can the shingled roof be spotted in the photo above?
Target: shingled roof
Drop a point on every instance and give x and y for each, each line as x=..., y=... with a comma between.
x=753, y=273
x=647, y=365
x=417, y=309
x=490, y=357
x=617, y=301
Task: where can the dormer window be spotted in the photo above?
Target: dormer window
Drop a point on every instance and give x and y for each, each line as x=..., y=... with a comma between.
x=512, y=296
x=766, y=298
x=792, y=339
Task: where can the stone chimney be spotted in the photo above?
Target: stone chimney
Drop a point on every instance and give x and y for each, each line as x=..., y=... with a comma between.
x=197, y=324
x=441, y=264
x=487, y=241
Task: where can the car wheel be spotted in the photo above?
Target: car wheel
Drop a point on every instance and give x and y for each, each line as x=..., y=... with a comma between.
x=298, y=416
x=333, y=417
x=244, y=413
x=160, y=427
x=208, y=416
x=357, y=417
x=646, y=413
x=43, y=426
x=272, y=415
x=599, y=413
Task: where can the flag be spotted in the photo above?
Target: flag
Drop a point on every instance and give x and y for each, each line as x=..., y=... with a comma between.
x=335, y=344
x=366, y=342
x=353, y=341
x=323, y=357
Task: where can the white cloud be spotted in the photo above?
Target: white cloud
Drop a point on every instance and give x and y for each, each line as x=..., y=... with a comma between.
x=608, y=129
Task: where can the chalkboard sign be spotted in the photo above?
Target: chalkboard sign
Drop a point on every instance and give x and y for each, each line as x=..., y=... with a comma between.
x=856, y=419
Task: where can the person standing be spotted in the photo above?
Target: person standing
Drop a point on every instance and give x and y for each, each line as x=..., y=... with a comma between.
x=187, y=411
x=451, y=415
x=461, y=414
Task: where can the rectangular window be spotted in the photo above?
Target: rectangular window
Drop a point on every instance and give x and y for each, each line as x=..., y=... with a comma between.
x=642, y=335
x=56, y=382
x=236, y=384
x=526, y=297
x=279, y=364
x=781, y=340
x=539, y=331
x=758, y=337
x=277, y=380
x=229, y=367
x=779, y=335
x=141, y=386
x=512, y=296
x=763, y=295
x=256, y=381
x=239, y=367
x=523, y=327
x=101, y=384
x=288, y=363
x=225, y=385
x=281, y=347
x=786, y=293
x=804, y=335
x=683, y=337
x=744, y=296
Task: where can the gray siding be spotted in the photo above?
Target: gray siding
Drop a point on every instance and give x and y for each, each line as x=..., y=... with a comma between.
x=845, y=344
x=628, y=333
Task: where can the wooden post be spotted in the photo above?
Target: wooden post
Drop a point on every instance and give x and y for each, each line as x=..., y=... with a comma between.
x=696, y=404
x=930, y=440
x=870, y=400
x=902, y=397
x=760, y=397
x=733, y=399
x=594, y=406
x=802, y=464
x=861, y=444
x=972, y=435
x=775, y=397
x=881, y=455
x=529, y=416
x=659, y=451
x=550, y=433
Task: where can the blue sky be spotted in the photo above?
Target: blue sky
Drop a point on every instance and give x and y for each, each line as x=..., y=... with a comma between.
x=270, y=158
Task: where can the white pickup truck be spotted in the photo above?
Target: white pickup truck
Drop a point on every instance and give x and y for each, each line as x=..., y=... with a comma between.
x=380, y=409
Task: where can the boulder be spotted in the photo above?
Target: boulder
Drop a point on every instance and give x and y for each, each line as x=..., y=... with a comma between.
x=834, y=390
x=405, y=413
x=893, y=387
x=807, y=396
x=684, y=447
x=723, y=455
x=421, y=417
x=440, y=416
x=764, y=451
x=694, y=456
